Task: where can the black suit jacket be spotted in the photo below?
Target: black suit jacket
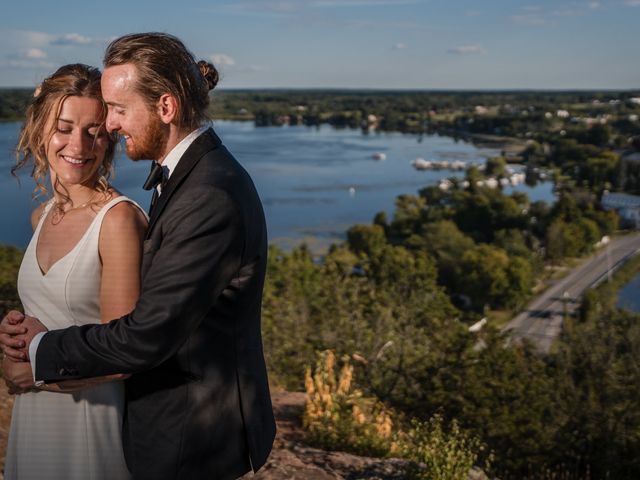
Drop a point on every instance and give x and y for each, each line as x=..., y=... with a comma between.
x=198, y=404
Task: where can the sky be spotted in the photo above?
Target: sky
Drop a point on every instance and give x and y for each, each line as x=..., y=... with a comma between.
x=356, y=44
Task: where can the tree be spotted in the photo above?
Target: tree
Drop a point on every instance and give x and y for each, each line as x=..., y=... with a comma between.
x=496, y=167
x=484, y=276
x=447, y=244
x=366, y=239
x=563, y=240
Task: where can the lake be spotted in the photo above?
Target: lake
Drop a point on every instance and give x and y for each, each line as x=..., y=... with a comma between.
x=314, y=182
x=628, y=296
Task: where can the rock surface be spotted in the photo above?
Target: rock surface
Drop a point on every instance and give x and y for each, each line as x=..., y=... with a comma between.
x=293, y=459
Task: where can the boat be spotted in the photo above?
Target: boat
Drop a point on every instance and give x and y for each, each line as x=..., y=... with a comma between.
x=421, y=164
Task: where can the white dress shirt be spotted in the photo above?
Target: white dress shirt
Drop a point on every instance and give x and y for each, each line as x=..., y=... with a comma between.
x=170, y=162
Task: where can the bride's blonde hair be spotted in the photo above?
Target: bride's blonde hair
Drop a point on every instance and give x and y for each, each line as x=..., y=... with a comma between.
x=75, y=80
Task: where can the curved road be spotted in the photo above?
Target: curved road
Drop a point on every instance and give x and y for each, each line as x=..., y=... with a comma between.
x=541, y=321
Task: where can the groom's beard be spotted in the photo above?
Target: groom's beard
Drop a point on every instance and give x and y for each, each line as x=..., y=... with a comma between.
x=150, y=145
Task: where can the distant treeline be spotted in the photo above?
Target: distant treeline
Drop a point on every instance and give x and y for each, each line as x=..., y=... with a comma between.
x=350, y=107
x=14, y=102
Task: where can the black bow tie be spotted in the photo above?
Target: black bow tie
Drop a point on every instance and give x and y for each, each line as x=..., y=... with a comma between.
x=156, y=177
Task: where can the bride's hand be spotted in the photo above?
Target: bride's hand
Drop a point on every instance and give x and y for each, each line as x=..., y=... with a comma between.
x=16, y=390
x=17, y=375
x=16, y=333
x=10, y=327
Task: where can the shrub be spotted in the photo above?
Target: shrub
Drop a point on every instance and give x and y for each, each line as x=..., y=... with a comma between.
x=339, y=417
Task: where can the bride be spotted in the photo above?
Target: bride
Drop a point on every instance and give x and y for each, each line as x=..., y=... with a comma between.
x=82, y=264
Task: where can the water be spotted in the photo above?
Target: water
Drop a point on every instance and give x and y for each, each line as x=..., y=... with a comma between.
x=629, y=297
x=314, y=182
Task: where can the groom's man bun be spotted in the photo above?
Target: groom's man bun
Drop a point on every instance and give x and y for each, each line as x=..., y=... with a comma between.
x=165, y=65
x=209, y=73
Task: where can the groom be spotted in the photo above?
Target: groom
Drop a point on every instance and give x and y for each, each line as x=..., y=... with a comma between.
x=198, y=404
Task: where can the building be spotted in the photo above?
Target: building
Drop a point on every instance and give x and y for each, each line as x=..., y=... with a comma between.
x=627, y=206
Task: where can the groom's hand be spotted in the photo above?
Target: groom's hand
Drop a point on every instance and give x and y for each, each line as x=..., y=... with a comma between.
x=17, y=375
x=16, y=333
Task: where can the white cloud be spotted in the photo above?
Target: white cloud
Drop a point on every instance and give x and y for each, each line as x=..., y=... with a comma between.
x=532, y=20
x=27, y=64
x=29, y=58
x=32, y=39
x=288, y=7
x=222, y=60
x=361, y=3
x=71, y=39
x=399, y=46
x=250, y=68
x=467, y=50
x=594, y=5
x=632, y=3
x=35, y=53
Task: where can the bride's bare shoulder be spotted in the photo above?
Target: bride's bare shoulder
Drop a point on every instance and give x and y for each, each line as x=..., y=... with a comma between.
x=123, y=217
x=36, y=214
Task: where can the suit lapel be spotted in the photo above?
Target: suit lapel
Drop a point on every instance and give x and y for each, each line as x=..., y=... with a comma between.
x=206, y=142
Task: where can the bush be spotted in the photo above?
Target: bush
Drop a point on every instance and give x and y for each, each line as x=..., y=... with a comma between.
x=339, y=417
x=440, y=453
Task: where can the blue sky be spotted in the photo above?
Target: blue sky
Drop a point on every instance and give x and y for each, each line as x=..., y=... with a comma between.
x=391, y=44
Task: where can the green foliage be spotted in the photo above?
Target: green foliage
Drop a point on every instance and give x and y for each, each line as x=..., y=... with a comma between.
x=367, y=240
x=339, y=416
x=598, y=381
x=443, y=454
x=14, y=102
x=491, y=278
x=351, y=303
x=484, y=276
x=496, y=167
x=600, y=172
x=444, y=241
x=563, y=240
x=10, y=259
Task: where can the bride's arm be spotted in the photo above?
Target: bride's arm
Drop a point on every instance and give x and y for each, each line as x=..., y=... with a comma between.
x=121, y=237
x=120, y=246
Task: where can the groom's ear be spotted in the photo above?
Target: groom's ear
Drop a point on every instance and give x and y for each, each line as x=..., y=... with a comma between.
x=167, y=108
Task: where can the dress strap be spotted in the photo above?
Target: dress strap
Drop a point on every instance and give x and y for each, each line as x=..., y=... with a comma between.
x=43, y=215
x=112, y=203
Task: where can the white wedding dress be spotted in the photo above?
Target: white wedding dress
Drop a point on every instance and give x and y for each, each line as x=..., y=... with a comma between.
x=70, y=436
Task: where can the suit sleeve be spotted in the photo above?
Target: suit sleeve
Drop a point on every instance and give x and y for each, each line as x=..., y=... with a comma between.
x=199, y=254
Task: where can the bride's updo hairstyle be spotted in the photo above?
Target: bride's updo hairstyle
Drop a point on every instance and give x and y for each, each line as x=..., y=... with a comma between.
x=164, y=65
x=74, y=80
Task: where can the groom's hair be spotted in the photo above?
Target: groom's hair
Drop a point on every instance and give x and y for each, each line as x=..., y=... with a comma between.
x=165, y=65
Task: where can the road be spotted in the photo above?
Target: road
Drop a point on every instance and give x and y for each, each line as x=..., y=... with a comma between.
x=541, y=321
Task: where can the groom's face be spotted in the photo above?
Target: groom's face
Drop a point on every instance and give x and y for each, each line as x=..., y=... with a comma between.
x=129, y=115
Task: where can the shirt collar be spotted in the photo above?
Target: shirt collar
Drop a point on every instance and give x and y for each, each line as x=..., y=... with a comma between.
x=173, y=157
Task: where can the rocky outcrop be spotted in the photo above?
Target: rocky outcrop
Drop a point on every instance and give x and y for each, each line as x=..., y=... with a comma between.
x=293, y=459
